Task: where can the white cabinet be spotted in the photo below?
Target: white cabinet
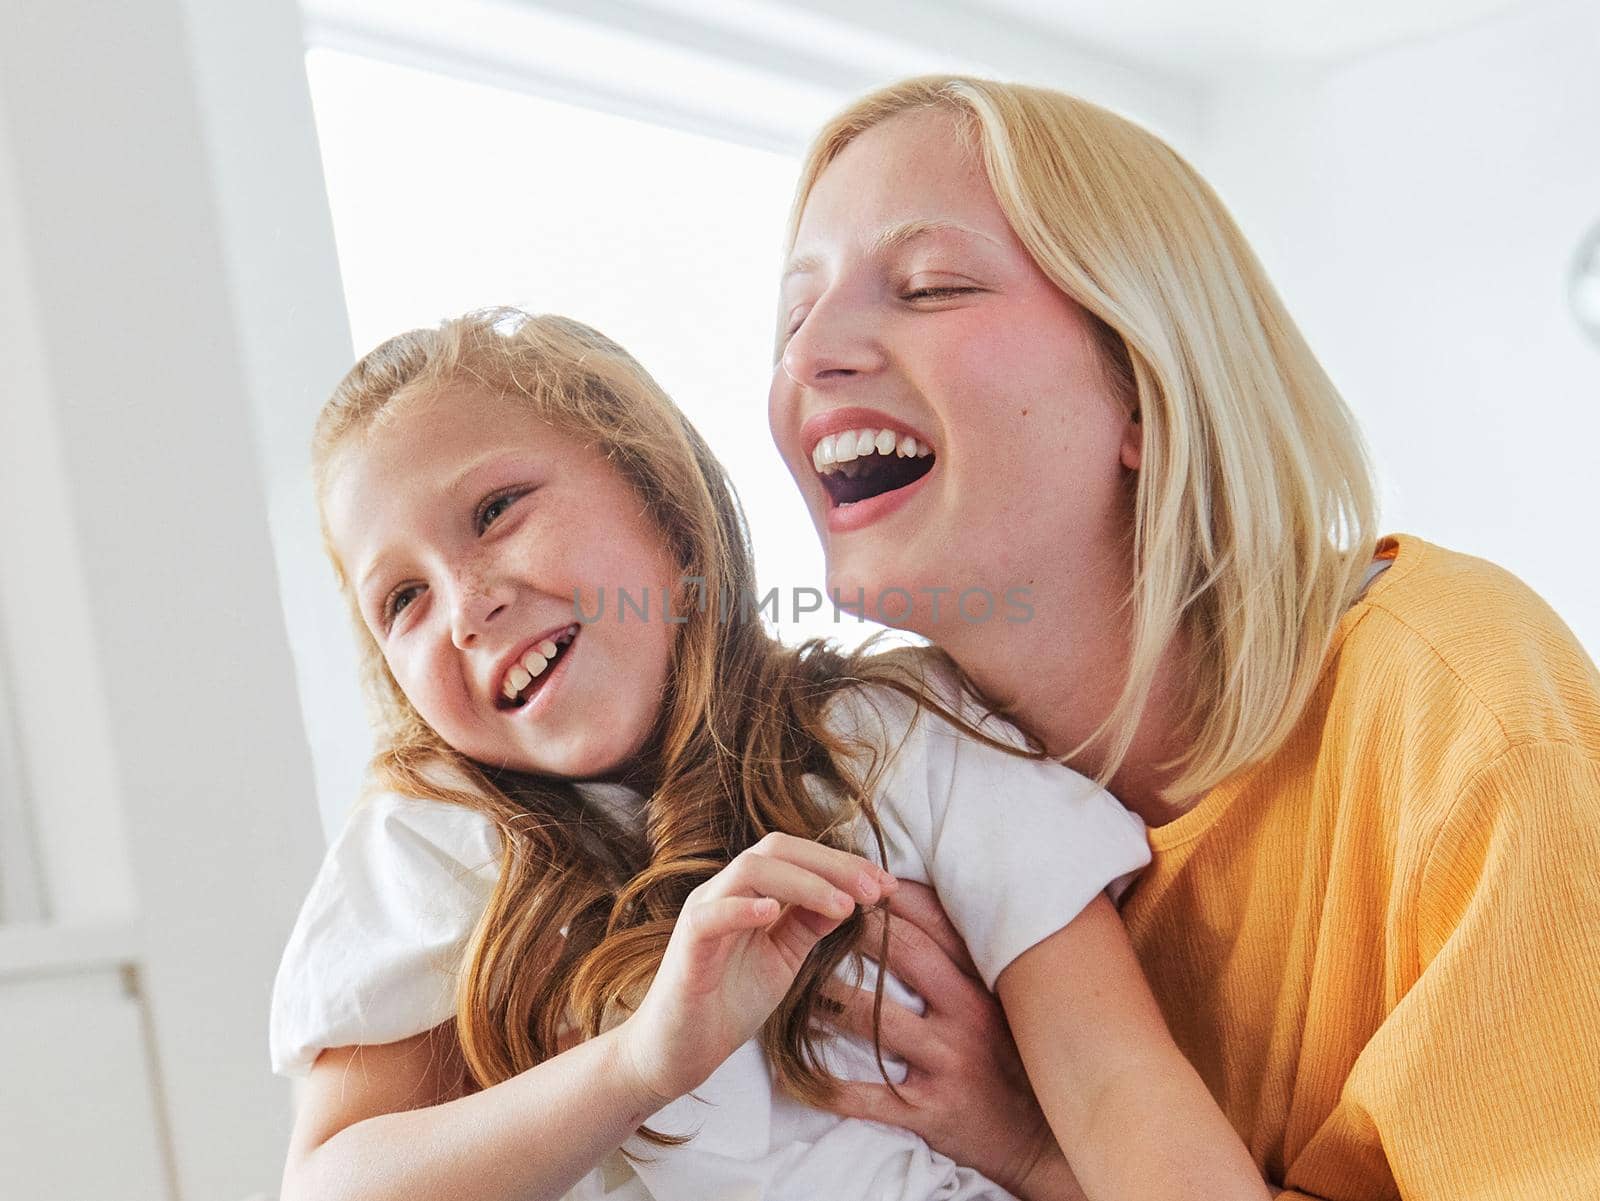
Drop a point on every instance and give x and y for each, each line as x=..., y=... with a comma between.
x=78, y=1105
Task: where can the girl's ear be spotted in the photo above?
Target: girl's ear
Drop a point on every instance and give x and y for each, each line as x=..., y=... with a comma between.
x=1132, y=442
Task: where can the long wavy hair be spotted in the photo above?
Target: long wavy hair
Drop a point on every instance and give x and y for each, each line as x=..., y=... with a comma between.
x=1254, y=511
x=583, y=908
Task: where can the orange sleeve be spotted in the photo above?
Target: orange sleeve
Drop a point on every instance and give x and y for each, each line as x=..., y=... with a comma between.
x=1484, y=1081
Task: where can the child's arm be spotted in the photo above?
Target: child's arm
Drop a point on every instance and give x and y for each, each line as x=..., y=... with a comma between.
x=392, y=1121
x=1130, y=1112
x=395, y=1121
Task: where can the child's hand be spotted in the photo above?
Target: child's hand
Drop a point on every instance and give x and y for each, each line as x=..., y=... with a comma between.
x=735, y=952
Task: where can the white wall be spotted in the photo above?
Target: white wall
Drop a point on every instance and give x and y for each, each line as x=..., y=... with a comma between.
x=1419, y=209
x=166, y=274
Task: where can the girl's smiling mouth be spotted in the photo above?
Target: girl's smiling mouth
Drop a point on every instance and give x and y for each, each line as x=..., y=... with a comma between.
x=858, y=464
x=533, y=667
x=861, y=453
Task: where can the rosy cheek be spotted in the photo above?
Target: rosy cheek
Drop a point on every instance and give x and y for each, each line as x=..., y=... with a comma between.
x=415, y=668
x=979, y=362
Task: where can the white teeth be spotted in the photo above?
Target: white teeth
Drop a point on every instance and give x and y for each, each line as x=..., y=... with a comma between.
x=516, y=680
x=833, y=452
x=534, y=662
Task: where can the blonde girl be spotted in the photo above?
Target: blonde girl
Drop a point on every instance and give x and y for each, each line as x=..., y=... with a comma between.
x=617, y=865
x=1370, y=766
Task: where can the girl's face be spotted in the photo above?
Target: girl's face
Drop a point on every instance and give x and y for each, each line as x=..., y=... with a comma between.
x=482, y=544
x=911, y=307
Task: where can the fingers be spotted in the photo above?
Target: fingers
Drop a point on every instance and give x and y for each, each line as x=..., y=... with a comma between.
x=921, y=961
x=874, y=1103
x=798, y=931
x=828, y=882
x=718, y=917
x=859, y=877
x=902, y=1032
x=763, y=876
x=919, y=905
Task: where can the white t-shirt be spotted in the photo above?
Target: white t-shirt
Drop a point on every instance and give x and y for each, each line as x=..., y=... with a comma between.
x=1015, y=848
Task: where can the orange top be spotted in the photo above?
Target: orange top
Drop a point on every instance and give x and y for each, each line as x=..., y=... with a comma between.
x=1381, y=946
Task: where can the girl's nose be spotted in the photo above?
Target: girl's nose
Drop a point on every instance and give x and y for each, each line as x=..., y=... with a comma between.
x=836, y=342
x=477, y=605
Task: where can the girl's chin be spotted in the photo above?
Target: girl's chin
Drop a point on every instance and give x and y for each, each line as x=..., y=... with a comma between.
x=590, y=762
x=891, y=601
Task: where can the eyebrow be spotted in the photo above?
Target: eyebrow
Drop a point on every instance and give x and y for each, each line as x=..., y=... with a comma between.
x=893, y=237
x=453, y=487
x=378, y=566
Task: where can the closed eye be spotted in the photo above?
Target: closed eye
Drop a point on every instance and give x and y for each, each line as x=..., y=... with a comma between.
x=796, y=319
x=937, y=293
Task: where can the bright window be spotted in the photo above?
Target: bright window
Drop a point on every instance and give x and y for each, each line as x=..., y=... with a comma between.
x=448, y=195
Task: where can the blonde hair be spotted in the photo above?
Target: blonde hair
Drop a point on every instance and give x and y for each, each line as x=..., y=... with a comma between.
x=582, y=911
x=1254, y=509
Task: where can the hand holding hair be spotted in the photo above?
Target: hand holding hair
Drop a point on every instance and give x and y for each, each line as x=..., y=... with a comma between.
x=738, y=945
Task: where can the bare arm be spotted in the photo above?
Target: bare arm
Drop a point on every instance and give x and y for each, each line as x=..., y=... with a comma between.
x=395, y=1121
x=966, y=1092
x=1131, y=1113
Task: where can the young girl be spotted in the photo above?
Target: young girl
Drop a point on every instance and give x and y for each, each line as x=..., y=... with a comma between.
x=625, y=840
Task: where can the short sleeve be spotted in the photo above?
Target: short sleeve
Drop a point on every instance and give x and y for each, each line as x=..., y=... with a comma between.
x=1015, y=847
x=374, y=954
x=1484, y=1080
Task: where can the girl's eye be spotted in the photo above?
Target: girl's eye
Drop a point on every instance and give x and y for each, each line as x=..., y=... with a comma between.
x=493, y=508
x=397, y=601
x=944, y=293
x=792, y=326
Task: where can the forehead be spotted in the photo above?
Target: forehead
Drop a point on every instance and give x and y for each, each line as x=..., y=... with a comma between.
x=414, y=455
x=422, y=437
x=916, y=167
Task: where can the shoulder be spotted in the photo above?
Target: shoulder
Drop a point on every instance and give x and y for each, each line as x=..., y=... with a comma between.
x=1519, y=846
x=906, y=721
x=1014, y=843
x=944, y=756
x=424, y=865
x=389, y=828
x=1446, y=635
x=1452, y=680
x=372, y=954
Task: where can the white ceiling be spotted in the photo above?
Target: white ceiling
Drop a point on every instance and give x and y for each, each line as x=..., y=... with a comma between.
x=1200, y=37
x=791, y=62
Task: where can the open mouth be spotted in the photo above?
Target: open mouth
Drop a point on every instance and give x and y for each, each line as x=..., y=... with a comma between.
x=856, y=465
x=526, y=676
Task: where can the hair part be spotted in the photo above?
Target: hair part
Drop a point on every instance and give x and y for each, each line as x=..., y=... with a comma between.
x=1254, y=509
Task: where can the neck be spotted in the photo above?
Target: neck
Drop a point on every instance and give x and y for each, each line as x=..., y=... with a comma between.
x=1079, y=631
